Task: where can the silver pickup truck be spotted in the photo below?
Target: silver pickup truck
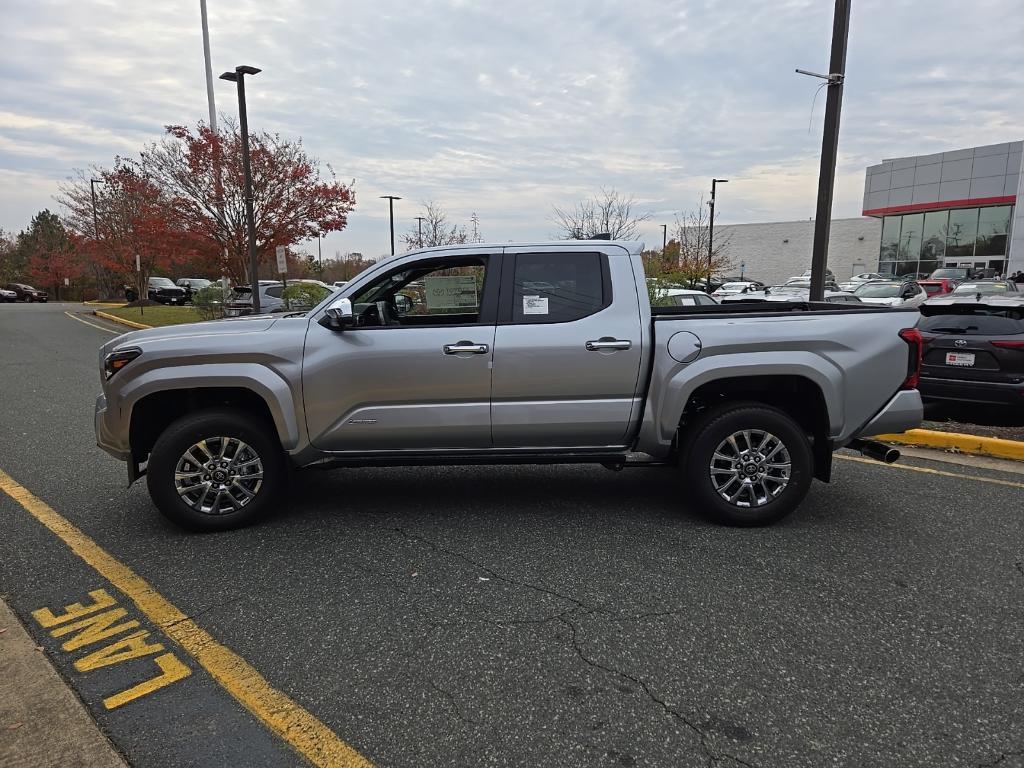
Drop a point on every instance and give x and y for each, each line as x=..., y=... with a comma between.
x=498, y=354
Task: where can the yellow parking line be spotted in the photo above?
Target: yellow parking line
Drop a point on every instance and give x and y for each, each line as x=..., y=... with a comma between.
x=928, y=471
x=92, y=324
x=311, y=738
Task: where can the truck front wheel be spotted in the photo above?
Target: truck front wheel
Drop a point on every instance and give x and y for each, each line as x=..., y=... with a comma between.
x=747, y=464
x=216, y=469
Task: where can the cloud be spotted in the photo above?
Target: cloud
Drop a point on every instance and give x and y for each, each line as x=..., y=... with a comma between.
x=507, y=112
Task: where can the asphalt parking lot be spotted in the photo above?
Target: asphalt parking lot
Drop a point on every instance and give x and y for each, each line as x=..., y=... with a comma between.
x=529, y=615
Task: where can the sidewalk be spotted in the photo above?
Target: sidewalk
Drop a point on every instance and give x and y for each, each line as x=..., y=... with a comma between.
x=42, y=722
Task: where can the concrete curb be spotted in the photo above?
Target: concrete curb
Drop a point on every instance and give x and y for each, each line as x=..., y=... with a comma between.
x=43, y=722
x=121, y=320
x=104, y=303
x=974, y=444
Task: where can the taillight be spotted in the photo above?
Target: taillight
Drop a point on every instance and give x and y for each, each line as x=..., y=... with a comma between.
x=913, y=337
x=1008, y=344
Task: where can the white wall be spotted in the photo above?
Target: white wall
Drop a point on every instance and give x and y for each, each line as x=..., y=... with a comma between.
x=853, y=248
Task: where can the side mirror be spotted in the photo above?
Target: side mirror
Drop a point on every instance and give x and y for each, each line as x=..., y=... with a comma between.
x=337, y=316
x=403, y=303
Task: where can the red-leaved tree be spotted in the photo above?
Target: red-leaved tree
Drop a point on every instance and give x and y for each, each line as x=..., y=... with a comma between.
x=293, y=199
x=133, y=217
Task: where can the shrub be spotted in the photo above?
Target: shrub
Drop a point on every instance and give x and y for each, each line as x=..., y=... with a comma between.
x=209, y=301
x=299, y=296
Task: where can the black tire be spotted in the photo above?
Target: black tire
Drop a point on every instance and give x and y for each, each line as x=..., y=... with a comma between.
x=214, y=425
x=758, y=504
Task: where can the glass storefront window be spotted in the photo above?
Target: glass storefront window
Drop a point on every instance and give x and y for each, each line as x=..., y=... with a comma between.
x=890, y=238
x=935, y=226
x=993, y=228
x=963, y=228
x=910, y=237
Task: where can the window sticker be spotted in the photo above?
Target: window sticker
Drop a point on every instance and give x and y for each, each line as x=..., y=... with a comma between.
x=535, y=305
x=450, y=292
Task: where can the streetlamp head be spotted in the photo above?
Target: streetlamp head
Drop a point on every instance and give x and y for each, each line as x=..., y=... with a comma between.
x=96, y=181
x=390, y=197
x=721, y=181
x=229, y=76
x=245, y=69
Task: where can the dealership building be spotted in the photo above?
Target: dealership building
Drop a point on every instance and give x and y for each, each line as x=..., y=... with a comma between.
x=951, y=209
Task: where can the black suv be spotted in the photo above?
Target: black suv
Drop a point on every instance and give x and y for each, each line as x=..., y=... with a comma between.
x=164, y=291
x=27, y=292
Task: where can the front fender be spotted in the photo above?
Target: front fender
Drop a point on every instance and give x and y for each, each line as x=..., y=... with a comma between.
x=263, y=381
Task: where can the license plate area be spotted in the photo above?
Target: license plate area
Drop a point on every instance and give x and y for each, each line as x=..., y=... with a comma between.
x=960, y=359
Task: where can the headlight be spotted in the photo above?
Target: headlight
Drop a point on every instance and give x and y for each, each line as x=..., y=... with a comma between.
x=115, y=361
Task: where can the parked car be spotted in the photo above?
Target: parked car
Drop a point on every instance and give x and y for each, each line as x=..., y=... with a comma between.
x=863, y=277
x=892, y=293
x=974, y=349
x=485, y=371
x=7, y=295
x=779, y=293
x=985, y=288
x=731, y=289
x=829, y=277
x=952, y=273
x=164, y=291
x=684, y=297
x=192, y=284
x=240, y=301
x=939, y=286
x=805, y=282
x=27, y=293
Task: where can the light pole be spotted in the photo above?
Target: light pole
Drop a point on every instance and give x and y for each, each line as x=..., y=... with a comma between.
x=319, y=250
x=419, y=230
x=238, y=77
x=664, y=240
x=711, y=225
x=95, y=218
x=391, y=210
x=209, y=67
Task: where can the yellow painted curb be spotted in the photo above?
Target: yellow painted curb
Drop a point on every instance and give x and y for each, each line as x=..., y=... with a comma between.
x=976, y=444
x=104, y=303
x=121, y=320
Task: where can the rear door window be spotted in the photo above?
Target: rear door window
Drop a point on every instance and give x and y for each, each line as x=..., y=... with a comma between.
x=972, y=325
x=559, y=287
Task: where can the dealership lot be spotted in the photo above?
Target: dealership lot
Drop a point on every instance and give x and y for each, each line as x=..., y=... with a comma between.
x=518, y=615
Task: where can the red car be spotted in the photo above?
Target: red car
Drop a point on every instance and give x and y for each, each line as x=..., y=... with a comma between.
x=938, y=286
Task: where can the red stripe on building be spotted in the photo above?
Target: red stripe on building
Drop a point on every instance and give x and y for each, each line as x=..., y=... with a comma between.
x=974, y=203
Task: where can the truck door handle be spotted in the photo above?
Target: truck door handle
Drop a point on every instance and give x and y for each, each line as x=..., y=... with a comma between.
x=608, y=343
x=465, y=346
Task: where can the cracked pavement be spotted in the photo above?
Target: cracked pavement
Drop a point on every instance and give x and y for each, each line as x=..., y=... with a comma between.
x=563, y=616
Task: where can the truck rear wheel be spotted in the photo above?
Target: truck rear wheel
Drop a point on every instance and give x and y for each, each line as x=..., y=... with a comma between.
x=215, y=470
x=747, y=464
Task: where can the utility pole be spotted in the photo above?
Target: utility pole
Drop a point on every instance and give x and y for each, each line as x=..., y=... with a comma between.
x=829, y=146
x=238, y=77
x=391, y=209
x=711, y=226
x=419, y=229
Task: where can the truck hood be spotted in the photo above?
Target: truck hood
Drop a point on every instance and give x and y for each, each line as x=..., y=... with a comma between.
x=236, y=325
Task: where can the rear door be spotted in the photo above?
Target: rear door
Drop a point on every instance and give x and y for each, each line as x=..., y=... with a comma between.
x=566, y=350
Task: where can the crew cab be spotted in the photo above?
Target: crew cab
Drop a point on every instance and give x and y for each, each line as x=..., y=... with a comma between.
x=475, y=353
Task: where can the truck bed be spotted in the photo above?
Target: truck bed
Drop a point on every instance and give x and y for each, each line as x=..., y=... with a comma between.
x=768, y=309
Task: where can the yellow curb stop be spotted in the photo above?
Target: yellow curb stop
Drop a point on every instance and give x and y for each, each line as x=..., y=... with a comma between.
x=121, y=320
x=974, y=444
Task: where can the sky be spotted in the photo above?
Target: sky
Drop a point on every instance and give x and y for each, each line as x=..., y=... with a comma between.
x=507, y=109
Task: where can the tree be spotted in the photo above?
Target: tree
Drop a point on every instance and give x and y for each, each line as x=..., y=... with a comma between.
x=605, y=213
x=436, y=229
x=48, y=252
x=693, y=232
x=135, y=217
x=293, y=199
x=10, y=265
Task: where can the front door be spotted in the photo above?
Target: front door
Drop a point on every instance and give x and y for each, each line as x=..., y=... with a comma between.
x=414, y=371
x=566, y=350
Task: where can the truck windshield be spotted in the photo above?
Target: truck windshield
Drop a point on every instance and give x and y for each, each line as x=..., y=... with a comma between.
x=878, y=291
